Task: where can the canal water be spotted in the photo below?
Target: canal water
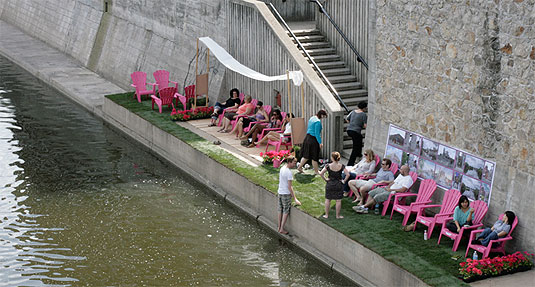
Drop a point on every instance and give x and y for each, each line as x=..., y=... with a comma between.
x=82, y=205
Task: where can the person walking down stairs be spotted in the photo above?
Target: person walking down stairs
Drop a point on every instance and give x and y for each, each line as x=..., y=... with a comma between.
x=357, y=121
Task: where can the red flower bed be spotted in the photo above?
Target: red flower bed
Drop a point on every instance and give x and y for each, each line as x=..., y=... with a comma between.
x=271, y=155
x=473, y=270
x=198, y=113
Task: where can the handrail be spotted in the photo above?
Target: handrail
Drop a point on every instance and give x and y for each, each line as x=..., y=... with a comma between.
x=322, y=10
x=333, y=90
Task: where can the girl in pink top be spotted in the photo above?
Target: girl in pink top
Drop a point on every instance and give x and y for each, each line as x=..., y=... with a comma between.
x=246, y=109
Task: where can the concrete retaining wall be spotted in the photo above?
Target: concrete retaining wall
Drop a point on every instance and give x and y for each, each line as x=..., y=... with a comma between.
x=328, y=245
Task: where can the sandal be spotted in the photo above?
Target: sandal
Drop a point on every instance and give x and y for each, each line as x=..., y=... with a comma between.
x=251, y=145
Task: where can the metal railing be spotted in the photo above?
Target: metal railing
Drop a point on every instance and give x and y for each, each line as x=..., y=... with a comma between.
x=324, y=12
x=331, y=87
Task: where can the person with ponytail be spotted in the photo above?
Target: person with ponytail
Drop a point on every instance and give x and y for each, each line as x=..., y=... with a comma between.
x=334, y=187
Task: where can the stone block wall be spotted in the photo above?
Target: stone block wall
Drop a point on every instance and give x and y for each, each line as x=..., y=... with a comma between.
x=461, y=73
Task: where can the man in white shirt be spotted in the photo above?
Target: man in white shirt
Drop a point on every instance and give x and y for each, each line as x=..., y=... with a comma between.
x=378, y=195
x=286, y=193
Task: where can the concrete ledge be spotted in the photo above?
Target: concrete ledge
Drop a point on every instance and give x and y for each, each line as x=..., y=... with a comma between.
x=331, y=247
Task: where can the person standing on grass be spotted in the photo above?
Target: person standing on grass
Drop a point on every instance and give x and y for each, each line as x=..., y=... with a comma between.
x=334, y=187
x=286, y=193
x=357, y=121
x=312, y=142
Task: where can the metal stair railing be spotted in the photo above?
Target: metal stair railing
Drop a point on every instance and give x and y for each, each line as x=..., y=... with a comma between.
x=324, y=12
x=331, y=87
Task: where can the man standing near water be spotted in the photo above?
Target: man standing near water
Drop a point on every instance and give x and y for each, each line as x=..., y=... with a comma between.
x=286, y=193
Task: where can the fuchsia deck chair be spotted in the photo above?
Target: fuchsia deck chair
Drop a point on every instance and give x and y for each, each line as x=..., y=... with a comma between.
x=220, y=118
x=426, y=190
x=139, y=81
x=161, y=77
x=449, y=202
x=167, y=96
x=284, y=140
x=267, y=108
x=499, y=243
x=414, y=177
x=189, y=92
x=267, y=130
x=182, y=99
x=480, y=209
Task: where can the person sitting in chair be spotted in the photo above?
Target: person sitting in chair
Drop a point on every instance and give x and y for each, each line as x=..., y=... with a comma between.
x=244, y=110
x=360, y=187
x=232, y=103
x=276, y=136
x=402, y=183
x=500, y=229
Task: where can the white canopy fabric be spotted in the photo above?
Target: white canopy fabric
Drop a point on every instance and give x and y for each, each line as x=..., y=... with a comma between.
x=228, y=61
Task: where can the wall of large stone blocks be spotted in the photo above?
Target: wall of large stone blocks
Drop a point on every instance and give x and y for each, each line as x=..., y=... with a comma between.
x=461, y=73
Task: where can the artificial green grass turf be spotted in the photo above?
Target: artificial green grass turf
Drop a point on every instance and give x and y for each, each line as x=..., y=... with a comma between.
x=429, y=262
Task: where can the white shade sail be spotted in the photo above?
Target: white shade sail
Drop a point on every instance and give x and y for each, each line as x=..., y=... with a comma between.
x=228, y=61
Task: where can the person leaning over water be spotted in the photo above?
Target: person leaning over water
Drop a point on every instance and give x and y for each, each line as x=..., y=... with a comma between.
x=312, y=143
x=285, y=193
x=357, y=121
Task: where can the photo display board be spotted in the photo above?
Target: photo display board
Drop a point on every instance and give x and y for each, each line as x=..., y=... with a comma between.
x=448, y=166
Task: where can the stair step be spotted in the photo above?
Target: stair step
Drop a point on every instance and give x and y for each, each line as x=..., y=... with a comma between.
x=310, y=38
x=316, y=45
x=305, y=32
x=347, y=86
x=326, y=58
x=336, y=72
x=321, y=51
x=353, y=93
x=331, y=65
x=342, y=79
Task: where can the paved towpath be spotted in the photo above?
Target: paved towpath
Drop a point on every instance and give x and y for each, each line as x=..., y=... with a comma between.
x=55, y=68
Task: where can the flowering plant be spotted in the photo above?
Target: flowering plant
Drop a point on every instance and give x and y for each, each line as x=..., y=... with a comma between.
x=269, y=156
x=198, y=113
x=495, y=266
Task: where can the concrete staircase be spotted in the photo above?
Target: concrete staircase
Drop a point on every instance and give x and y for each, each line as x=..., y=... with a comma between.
x=348, y=86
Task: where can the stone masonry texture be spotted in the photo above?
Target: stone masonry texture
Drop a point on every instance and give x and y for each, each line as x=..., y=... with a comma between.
x=462, y=73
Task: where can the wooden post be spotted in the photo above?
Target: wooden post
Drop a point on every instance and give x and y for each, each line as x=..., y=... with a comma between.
x=302, y=100
x=207, y=71
x=196, y=69
x=289, y=93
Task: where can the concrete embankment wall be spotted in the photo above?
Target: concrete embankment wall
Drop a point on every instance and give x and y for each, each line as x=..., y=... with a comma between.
x=129, y=36
x=461, y=73
x=331, y=247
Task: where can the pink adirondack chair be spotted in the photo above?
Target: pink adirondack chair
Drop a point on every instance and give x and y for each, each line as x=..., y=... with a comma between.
x=267, y=108
x=284, y=140
x=426, y=190
x=182, y=99
x=449, y=202
x=161, y=77
x=167, y=96
x=393, y=168
x=386, y=203
x=266, y=131
x=139, y=80
x=235, y=121
x=480, y=209
x=220, y=118
x=189, y=92
x=497, y=245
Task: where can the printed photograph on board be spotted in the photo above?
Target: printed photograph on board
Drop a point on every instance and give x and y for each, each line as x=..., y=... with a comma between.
x=429, y=149
x=396, y=136
x=473, y=166
x=457, y=178
x=459, y=161
x=488, y=172
x=470, y=187
x=446, y=156
x=411, y=160
x=426, y=169
x=412, y=143
x=394, y=154
x=443, y=176
x=484, y=192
